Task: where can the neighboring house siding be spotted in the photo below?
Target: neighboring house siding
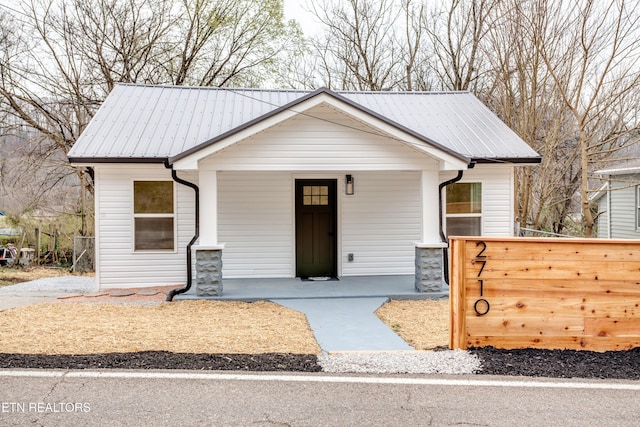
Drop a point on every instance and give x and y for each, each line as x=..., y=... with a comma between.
x=497, y=197
x=119, y=265
x=603, y=216
x=624, y=207
x=328, y=141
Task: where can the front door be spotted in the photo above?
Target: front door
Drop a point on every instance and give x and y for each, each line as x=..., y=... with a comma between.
x=316, y=231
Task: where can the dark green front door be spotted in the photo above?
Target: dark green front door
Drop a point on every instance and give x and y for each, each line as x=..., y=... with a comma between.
x=316, y=231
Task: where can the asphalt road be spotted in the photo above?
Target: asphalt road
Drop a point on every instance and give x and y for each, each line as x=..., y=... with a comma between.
x=170, y=398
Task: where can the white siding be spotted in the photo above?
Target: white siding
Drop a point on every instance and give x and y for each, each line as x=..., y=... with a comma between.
x=118, y=265
x=330, y=141
x=255, y=223
x=603, y=216
x=624, y=207
x=497, y=197
x=381, y=223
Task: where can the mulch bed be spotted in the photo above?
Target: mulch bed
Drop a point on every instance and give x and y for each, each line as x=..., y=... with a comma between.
x=560, y=363
x=164, y=360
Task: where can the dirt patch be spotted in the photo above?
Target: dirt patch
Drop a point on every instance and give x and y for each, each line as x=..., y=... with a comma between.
x=10, y=275
x=423, y=324
x=178, y=327
x=121, y=296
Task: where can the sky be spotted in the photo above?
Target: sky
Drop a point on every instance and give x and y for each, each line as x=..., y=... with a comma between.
x=295, y=9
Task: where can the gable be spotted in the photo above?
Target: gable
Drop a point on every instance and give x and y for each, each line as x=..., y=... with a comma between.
x=324, y=138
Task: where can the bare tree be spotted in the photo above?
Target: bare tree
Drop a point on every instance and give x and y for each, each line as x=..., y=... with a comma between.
x=520, y=90
x=591, y=52
x=457, y=30
x=358, y=48
x=59, y=59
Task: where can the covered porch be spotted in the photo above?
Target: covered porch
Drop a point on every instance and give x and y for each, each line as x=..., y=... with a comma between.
x=256, y=289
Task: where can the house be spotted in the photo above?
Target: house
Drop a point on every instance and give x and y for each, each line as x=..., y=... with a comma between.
x=286, y=183
x=619, y=202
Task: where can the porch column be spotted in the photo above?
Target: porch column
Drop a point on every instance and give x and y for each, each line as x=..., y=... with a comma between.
x=208, y=183
x=430, y=206
x=429, y=261
x=208, y=252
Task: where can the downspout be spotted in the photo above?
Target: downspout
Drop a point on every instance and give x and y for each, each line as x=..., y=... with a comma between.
x=445, y=253
x=195, y=188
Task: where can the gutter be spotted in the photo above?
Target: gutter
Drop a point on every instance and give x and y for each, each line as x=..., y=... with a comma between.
x=196, y=189
x=445, y=253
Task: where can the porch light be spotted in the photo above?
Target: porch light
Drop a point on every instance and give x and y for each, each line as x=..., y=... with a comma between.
x=349, y=185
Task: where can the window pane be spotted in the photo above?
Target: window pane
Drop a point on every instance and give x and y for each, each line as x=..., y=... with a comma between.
x=469, y=226
x=154, y=233
x=315, y=195
x=464, y=198
x=152, y=197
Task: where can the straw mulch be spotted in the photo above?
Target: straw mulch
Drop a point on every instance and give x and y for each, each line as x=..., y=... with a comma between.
x=423, y=324
x=179, y=327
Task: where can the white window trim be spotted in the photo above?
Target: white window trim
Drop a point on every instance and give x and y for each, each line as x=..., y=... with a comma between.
x=171, y=215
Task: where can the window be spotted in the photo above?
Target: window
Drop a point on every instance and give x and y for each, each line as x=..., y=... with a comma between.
x=153, y=215
x=315, y=195
x=464, y=209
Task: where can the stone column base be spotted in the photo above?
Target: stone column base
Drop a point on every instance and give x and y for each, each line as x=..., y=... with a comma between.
x=430, y=268
x=208, y=272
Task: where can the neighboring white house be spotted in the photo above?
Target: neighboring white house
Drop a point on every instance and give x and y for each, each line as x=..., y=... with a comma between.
x=619, y=203
x=292, y=183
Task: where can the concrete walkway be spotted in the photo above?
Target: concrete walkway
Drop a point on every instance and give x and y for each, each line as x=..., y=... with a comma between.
x=347, y=324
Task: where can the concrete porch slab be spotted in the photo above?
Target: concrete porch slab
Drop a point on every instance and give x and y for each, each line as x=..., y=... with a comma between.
x=393, y=287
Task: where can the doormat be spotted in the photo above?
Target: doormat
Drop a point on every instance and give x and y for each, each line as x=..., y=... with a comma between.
x=319, y=279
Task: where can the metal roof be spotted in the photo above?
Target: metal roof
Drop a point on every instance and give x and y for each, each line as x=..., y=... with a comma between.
x=153, y=123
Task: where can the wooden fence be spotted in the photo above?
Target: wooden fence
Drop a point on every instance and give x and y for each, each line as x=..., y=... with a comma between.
x=581, y=294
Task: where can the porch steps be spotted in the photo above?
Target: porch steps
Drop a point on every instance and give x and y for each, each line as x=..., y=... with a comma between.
x=347, y=324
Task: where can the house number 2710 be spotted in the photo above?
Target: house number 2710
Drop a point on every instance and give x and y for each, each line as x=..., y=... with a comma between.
x=481, y=305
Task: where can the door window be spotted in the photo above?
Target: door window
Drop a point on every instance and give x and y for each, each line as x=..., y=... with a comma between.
x=315, y=195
